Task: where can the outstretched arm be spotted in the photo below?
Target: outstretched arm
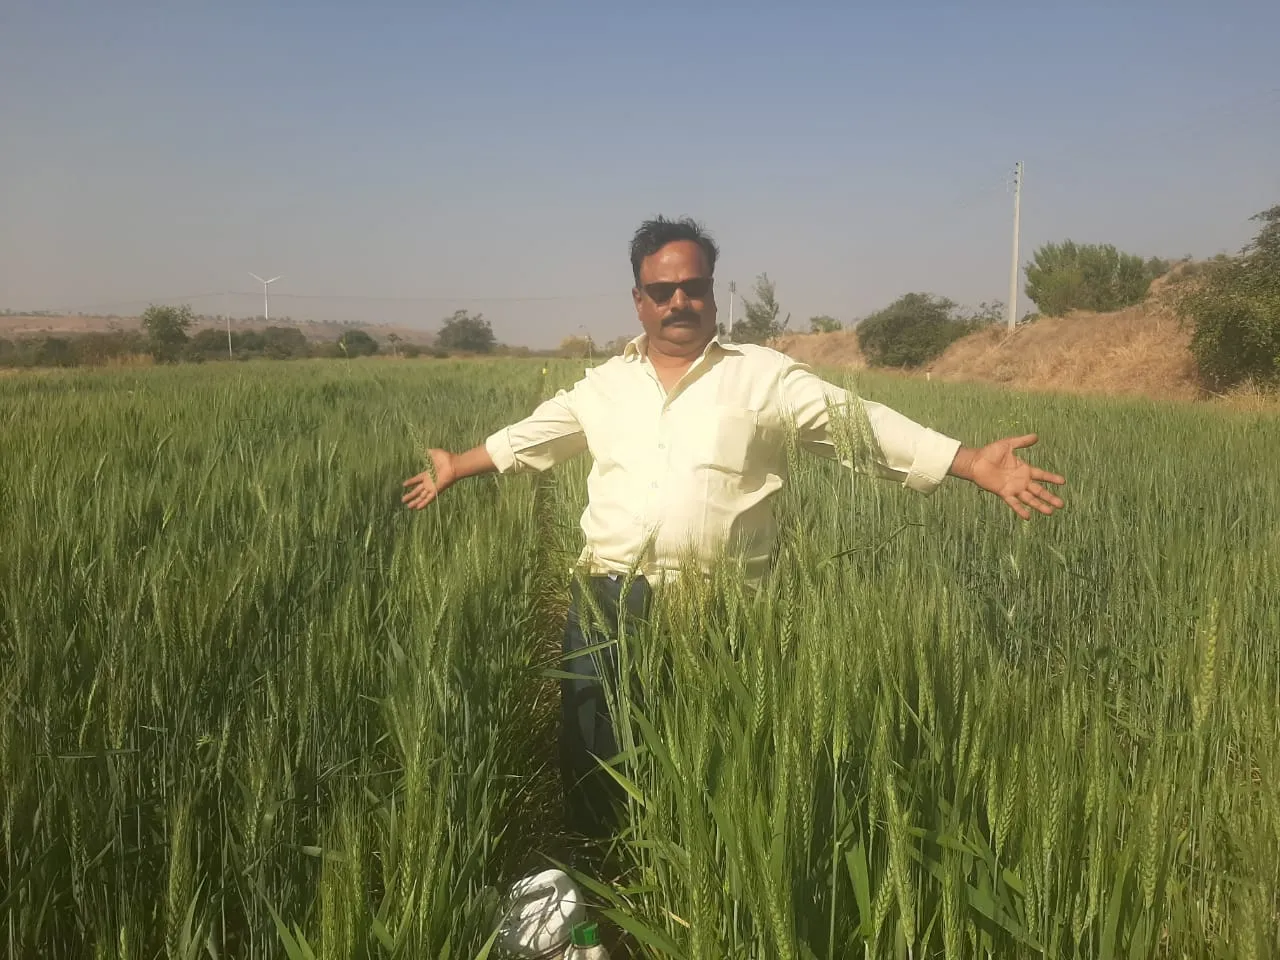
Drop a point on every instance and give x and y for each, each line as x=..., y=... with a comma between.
x=916, y=456
x=549, y=435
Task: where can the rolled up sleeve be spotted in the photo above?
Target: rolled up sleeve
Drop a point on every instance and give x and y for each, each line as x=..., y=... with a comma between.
x=904, y=451
x=551, y=434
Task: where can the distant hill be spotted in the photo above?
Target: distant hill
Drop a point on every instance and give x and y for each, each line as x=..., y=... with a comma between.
x=31, y=325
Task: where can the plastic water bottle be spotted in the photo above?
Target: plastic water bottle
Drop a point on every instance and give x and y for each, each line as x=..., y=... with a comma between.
x=543, y=912
x=586, y=944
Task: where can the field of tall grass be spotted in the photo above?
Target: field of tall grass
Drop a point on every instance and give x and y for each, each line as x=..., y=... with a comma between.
x=252, y=707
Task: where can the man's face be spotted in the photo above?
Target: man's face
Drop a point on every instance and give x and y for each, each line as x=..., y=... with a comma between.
x=676, y=304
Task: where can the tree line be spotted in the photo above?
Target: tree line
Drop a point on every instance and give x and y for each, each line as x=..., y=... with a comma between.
x=166, y=336
x=1231, y=304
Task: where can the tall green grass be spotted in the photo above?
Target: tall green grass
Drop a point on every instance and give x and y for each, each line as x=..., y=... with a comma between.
x=248, y=701
x=253, y=707
x=940, y=731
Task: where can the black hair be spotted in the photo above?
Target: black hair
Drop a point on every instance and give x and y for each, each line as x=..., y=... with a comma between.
x=655, y=234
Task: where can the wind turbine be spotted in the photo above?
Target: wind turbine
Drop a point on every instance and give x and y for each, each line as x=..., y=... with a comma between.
x=266, y=314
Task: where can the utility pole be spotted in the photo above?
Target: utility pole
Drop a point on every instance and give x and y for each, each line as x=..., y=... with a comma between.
x=1013, y=271
x=266, y=307
x=733, y=289
x=230, y=355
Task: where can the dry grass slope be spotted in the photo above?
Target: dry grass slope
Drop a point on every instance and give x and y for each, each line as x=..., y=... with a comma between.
x=1142, y=350
x=839, y=349
x=1139, y=350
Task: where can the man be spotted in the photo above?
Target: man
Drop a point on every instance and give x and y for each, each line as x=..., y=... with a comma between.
x=686, y=431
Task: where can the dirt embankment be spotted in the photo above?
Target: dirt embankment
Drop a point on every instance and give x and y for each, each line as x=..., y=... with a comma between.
x=839, y=349
x=1143, y=350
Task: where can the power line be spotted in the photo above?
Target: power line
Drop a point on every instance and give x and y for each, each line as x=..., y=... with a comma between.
x=352, y=297
x=134, y=303
x=420, y=299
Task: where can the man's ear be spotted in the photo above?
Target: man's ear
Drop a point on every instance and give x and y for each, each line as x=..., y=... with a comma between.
x=635, y=297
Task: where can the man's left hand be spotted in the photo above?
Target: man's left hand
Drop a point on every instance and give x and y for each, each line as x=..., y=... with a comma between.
x=997, y=470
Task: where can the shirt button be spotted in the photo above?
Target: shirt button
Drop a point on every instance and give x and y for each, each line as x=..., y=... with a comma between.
x=662, y=446
x=654, y=485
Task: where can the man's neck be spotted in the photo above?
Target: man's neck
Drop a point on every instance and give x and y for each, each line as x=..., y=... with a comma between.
x=670, y=367
x=667, y=355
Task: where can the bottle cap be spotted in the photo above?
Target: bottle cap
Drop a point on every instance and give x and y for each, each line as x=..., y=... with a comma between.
x=586, y=935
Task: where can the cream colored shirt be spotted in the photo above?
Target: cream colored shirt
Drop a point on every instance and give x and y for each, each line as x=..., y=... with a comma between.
x=690, y=474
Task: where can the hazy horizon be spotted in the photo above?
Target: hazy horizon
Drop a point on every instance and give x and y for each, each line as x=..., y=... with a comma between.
x=395, y=166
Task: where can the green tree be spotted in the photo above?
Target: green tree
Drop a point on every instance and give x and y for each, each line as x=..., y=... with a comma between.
x=208, y=343
x=824, y=324
x=357, y=343
x=467, y=333
x=56, y=352
x=248, y=342
x=988, y=311
x=911, y=331
x=760, y=323
x=1234, y=306
x=1071, y=276
x=166, y=329
x=284, y=343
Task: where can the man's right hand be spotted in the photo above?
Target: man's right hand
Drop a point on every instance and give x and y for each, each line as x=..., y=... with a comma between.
x=423, y=488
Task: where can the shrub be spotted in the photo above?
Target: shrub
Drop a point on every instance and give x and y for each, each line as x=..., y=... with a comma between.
x=357, y=343
x=911, y=331
x=56, y=352
x=1234, y=307
x=284, y=343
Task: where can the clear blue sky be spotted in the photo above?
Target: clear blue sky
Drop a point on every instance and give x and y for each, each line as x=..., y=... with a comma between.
x=853, y=151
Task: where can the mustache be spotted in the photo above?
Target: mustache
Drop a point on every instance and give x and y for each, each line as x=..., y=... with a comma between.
x=684, y=316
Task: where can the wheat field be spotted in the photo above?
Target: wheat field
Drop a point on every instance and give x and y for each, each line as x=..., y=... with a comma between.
x=252, y=707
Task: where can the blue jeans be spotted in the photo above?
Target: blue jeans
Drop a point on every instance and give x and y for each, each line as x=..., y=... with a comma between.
x=592, y=797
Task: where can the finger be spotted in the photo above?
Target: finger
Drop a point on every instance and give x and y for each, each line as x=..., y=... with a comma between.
x=422, y=500
x=1027, y=497
x=1045, y=495
x=1047, y=477
x=1026, y=440
x=1018, y=508
x=415, y=498
x=414, y=491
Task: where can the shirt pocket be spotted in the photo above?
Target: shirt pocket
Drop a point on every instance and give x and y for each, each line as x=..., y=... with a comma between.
x=723, y=440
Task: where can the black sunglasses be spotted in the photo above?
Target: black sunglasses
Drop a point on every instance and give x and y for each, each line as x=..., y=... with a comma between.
x=695, y=288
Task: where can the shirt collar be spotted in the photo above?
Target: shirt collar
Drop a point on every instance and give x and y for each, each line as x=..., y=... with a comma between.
x=636, y=348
